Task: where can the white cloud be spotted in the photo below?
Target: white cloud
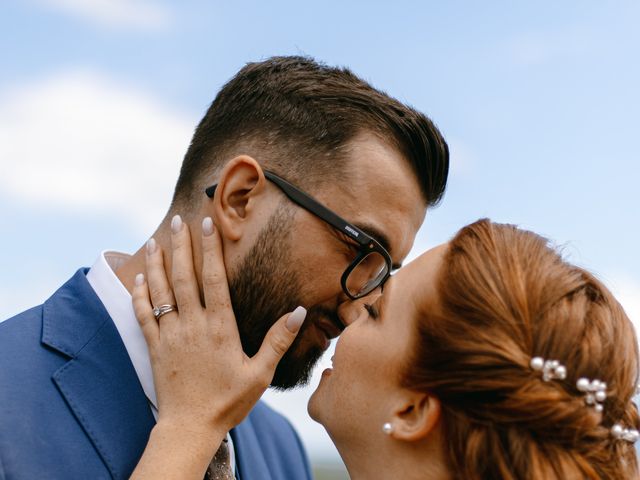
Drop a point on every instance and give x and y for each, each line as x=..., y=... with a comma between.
x=86, y=144
x=139, y=14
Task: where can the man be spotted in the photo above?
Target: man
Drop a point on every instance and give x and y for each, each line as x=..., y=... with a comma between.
x=317, y=183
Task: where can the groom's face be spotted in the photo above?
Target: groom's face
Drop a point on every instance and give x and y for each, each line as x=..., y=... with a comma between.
x=298, y=259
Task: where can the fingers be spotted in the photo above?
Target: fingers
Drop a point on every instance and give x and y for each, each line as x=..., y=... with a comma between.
x=214, y=274
x=278, y=340
x=185, y=286
x=144, y=311
x=159, y=289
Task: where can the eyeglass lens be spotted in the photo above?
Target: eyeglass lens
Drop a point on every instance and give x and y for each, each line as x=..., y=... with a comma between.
x=367, y=274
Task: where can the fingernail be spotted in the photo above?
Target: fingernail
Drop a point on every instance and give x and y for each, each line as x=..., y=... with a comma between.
x=207, y=226
x=294, y=322
x=151, y=245
x=176, y=224
x=139, y=279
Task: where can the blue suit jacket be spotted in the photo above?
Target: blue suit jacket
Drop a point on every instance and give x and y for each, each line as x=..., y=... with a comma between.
x=71, y=405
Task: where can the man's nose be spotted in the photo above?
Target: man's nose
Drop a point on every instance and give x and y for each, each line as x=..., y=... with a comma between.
x=350, y=310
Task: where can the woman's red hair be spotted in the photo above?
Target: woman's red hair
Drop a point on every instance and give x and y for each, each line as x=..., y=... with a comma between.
x=506, y=296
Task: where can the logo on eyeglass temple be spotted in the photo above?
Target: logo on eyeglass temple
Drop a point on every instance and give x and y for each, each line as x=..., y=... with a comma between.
x=354, y=232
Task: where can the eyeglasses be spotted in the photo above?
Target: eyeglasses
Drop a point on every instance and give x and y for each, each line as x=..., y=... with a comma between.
x=372, y=265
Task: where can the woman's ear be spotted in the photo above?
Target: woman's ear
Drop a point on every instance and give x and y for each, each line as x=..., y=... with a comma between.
x=415, y=417
x=241, y=182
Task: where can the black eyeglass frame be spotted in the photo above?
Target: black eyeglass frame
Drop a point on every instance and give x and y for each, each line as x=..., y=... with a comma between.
x=366, y=243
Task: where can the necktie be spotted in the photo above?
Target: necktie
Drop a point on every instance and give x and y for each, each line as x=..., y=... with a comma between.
x=220, y=466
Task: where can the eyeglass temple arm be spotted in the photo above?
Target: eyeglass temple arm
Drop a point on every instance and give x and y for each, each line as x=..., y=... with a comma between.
x=318, y=209
x=312, y=206
x=211, y=191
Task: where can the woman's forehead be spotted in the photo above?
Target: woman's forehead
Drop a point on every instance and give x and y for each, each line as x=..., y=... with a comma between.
x=416, y=282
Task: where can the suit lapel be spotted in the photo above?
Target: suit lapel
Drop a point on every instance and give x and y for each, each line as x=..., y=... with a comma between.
x=99, y=382
x=250, y=461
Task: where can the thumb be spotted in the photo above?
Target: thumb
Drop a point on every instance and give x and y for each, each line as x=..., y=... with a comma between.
x=278, y=340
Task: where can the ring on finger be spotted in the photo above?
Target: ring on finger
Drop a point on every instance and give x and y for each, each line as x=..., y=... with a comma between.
x=163, y=310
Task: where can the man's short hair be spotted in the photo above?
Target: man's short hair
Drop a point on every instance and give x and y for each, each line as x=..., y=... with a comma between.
x=297, y=116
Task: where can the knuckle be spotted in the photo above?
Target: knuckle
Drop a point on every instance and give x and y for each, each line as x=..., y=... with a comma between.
x=212, y=280
x=279, y=345
x=181, y=276
x=180, y=289
x=157, y=292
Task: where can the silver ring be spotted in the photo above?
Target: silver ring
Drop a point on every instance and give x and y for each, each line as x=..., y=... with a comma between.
x=163, y=309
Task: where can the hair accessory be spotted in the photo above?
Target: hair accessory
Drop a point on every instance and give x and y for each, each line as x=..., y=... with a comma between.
x=551, y=369
x=595, y=392
x=387, y=428
x=631, y=435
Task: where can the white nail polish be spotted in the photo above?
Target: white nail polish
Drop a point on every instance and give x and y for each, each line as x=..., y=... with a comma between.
x=207, y=226
x=295, y=320
x=176, y=224
x=139, y=279
x=151, y=246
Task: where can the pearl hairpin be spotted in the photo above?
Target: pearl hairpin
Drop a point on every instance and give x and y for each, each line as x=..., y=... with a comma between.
x=551, y=369
x=629, y=434
x=595, y=392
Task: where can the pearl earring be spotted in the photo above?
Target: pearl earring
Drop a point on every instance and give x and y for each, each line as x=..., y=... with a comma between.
x=387, y=428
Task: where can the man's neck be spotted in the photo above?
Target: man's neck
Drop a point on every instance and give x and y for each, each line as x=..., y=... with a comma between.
x=127, y=272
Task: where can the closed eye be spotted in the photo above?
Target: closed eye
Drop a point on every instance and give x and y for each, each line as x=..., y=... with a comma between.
x=372, y=310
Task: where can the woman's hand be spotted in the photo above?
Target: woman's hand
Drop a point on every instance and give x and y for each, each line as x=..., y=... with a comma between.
x=204, y=381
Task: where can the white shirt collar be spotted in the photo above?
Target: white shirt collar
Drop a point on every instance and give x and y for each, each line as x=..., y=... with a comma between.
x=117, y=301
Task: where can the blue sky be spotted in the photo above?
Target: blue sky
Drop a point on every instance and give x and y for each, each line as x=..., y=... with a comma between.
x=98, y=100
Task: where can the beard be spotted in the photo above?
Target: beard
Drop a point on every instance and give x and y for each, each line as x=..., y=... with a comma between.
x=263, y=288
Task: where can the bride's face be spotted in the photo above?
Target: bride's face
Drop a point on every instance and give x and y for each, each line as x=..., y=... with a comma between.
x=359, y=394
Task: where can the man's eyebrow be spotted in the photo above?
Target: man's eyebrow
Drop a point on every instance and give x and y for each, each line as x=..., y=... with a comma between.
x=380, y=237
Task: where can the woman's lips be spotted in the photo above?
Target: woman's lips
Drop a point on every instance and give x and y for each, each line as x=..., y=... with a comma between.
x=327, y=371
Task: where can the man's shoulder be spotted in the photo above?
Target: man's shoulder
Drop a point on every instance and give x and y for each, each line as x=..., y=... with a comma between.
x=23, y=337
x=263, y=414
x=25, y=325
x=21, y=327
x=280, y=444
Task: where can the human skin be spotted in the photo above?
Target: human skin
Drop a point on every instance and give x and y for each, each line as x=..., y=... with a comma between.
x=363, y=390
x=353, y=400
x=204, y=382
x=380, y=194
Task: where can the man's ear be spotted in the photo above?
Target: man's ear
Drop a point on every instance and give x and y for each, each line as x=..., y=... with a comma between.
x=241, y=182
x=415, y=416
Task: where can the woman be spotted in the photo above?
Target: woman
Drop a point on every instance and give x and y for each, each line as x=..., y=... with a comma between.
x=488, y=357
